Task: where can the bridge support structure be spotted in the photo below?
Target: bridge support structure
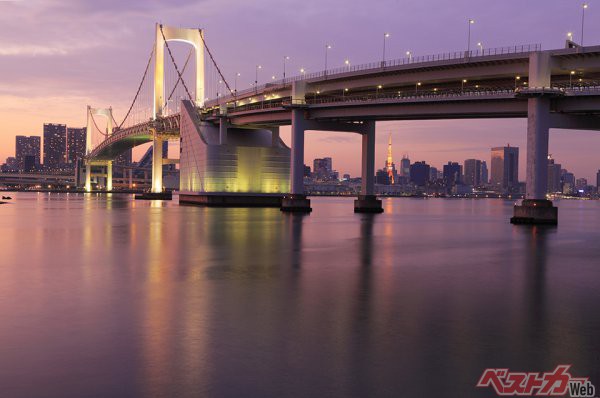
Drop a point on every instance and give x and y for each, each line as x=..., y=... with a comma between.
x=367, y=202
x=107, y=113
x=157, y=164
x=536, y=208
x=297, y=201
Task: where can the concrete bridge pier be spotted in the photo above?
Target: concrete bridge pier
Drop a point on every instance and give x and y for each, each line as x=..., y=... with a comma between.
x=296, y=201
x=88, y=177
x=157, y=164
x=109, y=176
x=367, y=202
x=535, y=208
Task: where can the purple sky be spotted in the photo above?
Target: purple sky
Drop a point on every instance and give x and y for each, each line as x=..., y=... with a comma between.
x=58, y=56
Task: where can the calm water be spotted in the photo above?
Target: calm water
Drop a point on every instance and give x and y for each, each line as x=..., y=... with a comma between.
x=108, y=297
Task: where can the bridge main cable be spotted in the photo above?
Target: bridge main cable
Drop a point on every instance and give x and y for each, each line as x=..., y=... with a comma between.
x=215, y=64
x=139, y=88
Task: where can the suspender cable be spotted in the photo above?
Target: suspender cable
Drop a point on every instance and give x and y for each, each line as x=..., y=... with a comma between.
x=139, y=87
x=215, y=64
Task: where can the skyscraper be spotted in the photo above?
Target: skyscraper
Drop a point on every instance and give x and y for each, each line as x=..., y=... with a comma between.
x=554, y=175
x=505, y=168
x=405, y=166
x=484, y=173
x=390, y=167
x=75, y=144
x=452, y=174
x=322, y=168
x=419, y=173
x=473, y=172
x=55, y=145
x=27, y=146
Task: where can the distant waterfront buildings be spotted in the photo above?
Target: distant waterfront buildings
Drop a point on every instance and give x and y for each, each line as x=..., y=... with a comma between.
x=484, y=173
x=405, y=167
x=452, y=174
x=554, y=176
x=419, y=173
x=505, y=168
x=472, y=172
x=27, y=152
x=55, y=145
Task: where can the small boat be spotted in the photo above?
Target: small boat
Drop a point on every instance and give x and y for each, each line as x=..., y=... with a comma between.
x=6, y=198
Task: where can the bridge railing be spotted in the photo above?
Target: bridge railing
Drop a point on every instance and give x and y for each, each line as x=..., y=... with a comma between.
x=380, y=96
x=330, y=73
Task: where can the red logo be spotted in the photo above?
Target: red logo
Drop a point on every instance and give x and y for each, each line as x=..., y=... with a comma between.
x=557, y=383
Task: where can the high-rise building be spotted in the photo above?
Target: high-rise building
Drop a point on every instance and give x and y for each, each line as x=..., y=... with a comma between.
x=433, y=174
x=27, y=146
x=473, y=172
x=581, y=184
x=554, y=174
x=568, y=182
x=75, y=144
x=452, y=174
x=390, y=167
x=419, y=173
x=405, y=167
x=322, y=168
x=55, y=145
x=505, y=168
x=484, y=173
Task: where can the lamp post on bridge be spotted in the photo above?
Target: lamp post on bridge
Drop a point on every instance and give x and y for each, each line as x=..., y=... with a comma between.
x=469, y=23
x=235, y=84
x=256, y=78
x=571, y=79
x=480, y=45
x=417, y=85
x=409, y=55
x=347, y=63
x=517, y=78
x=462, y=85
x=327, y=48
x=385, y=36
x=285, y=58
x=583, y=8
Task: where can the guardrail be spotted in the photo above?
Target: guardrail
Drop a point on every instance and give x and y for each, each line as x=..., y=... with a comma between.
x=519, y=49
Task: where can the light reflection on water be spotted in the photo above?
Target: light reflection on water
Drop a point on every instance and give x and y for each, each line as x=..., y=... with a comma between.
x=104, y=296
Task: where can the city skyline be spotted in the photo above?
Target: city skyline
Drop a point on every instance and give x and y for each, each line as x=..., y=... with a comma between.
x=58, y=73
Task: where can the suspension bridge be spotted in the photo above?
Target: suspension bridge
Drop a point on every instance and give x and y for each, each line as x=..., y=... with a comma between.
x=231, y=152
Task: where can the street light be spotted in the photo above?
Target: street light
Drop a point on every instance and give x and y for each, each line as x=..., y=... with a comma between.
x=379, y=87
x=469, y=23
x=480, y=45
x=570, y=36
x=417, y=85
x=462, y=85
x=256, y=77
x=344, y=91
x=583, y=8
x=273, y=77
x=302, y=70
x=517, y=78
x=285, y=58
x=347, y=63
x=409, y=55
x=385, y=36
x=327, y=47
x=235, y=84
x=571, y=79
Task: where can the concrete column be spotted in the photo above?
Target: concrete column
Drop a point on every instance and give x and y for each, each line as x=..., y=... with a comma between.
x=109, y=176
x=538, y=125
x=157, y=163
x=368, y=160
x=88, y=177
x=275, y=136
x=297, y=161
x=130, y=178
x=223, y=131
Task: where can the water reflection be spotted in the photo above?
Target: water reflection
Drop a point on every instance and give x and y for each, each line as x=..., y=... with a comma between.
x=152, y=299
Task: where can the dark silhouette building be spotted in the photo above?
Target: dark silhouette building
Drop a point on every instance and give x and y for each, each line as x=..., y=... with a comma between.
x=419, y=173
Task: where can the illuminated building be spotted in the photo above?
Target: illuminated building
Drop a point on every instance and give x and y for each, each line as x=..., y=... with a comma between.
x=473, y=172
x=505, y=168
x=554, y=174
x=405, y=167
x=75, y=144
x=55, y=145
x=27, y=147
